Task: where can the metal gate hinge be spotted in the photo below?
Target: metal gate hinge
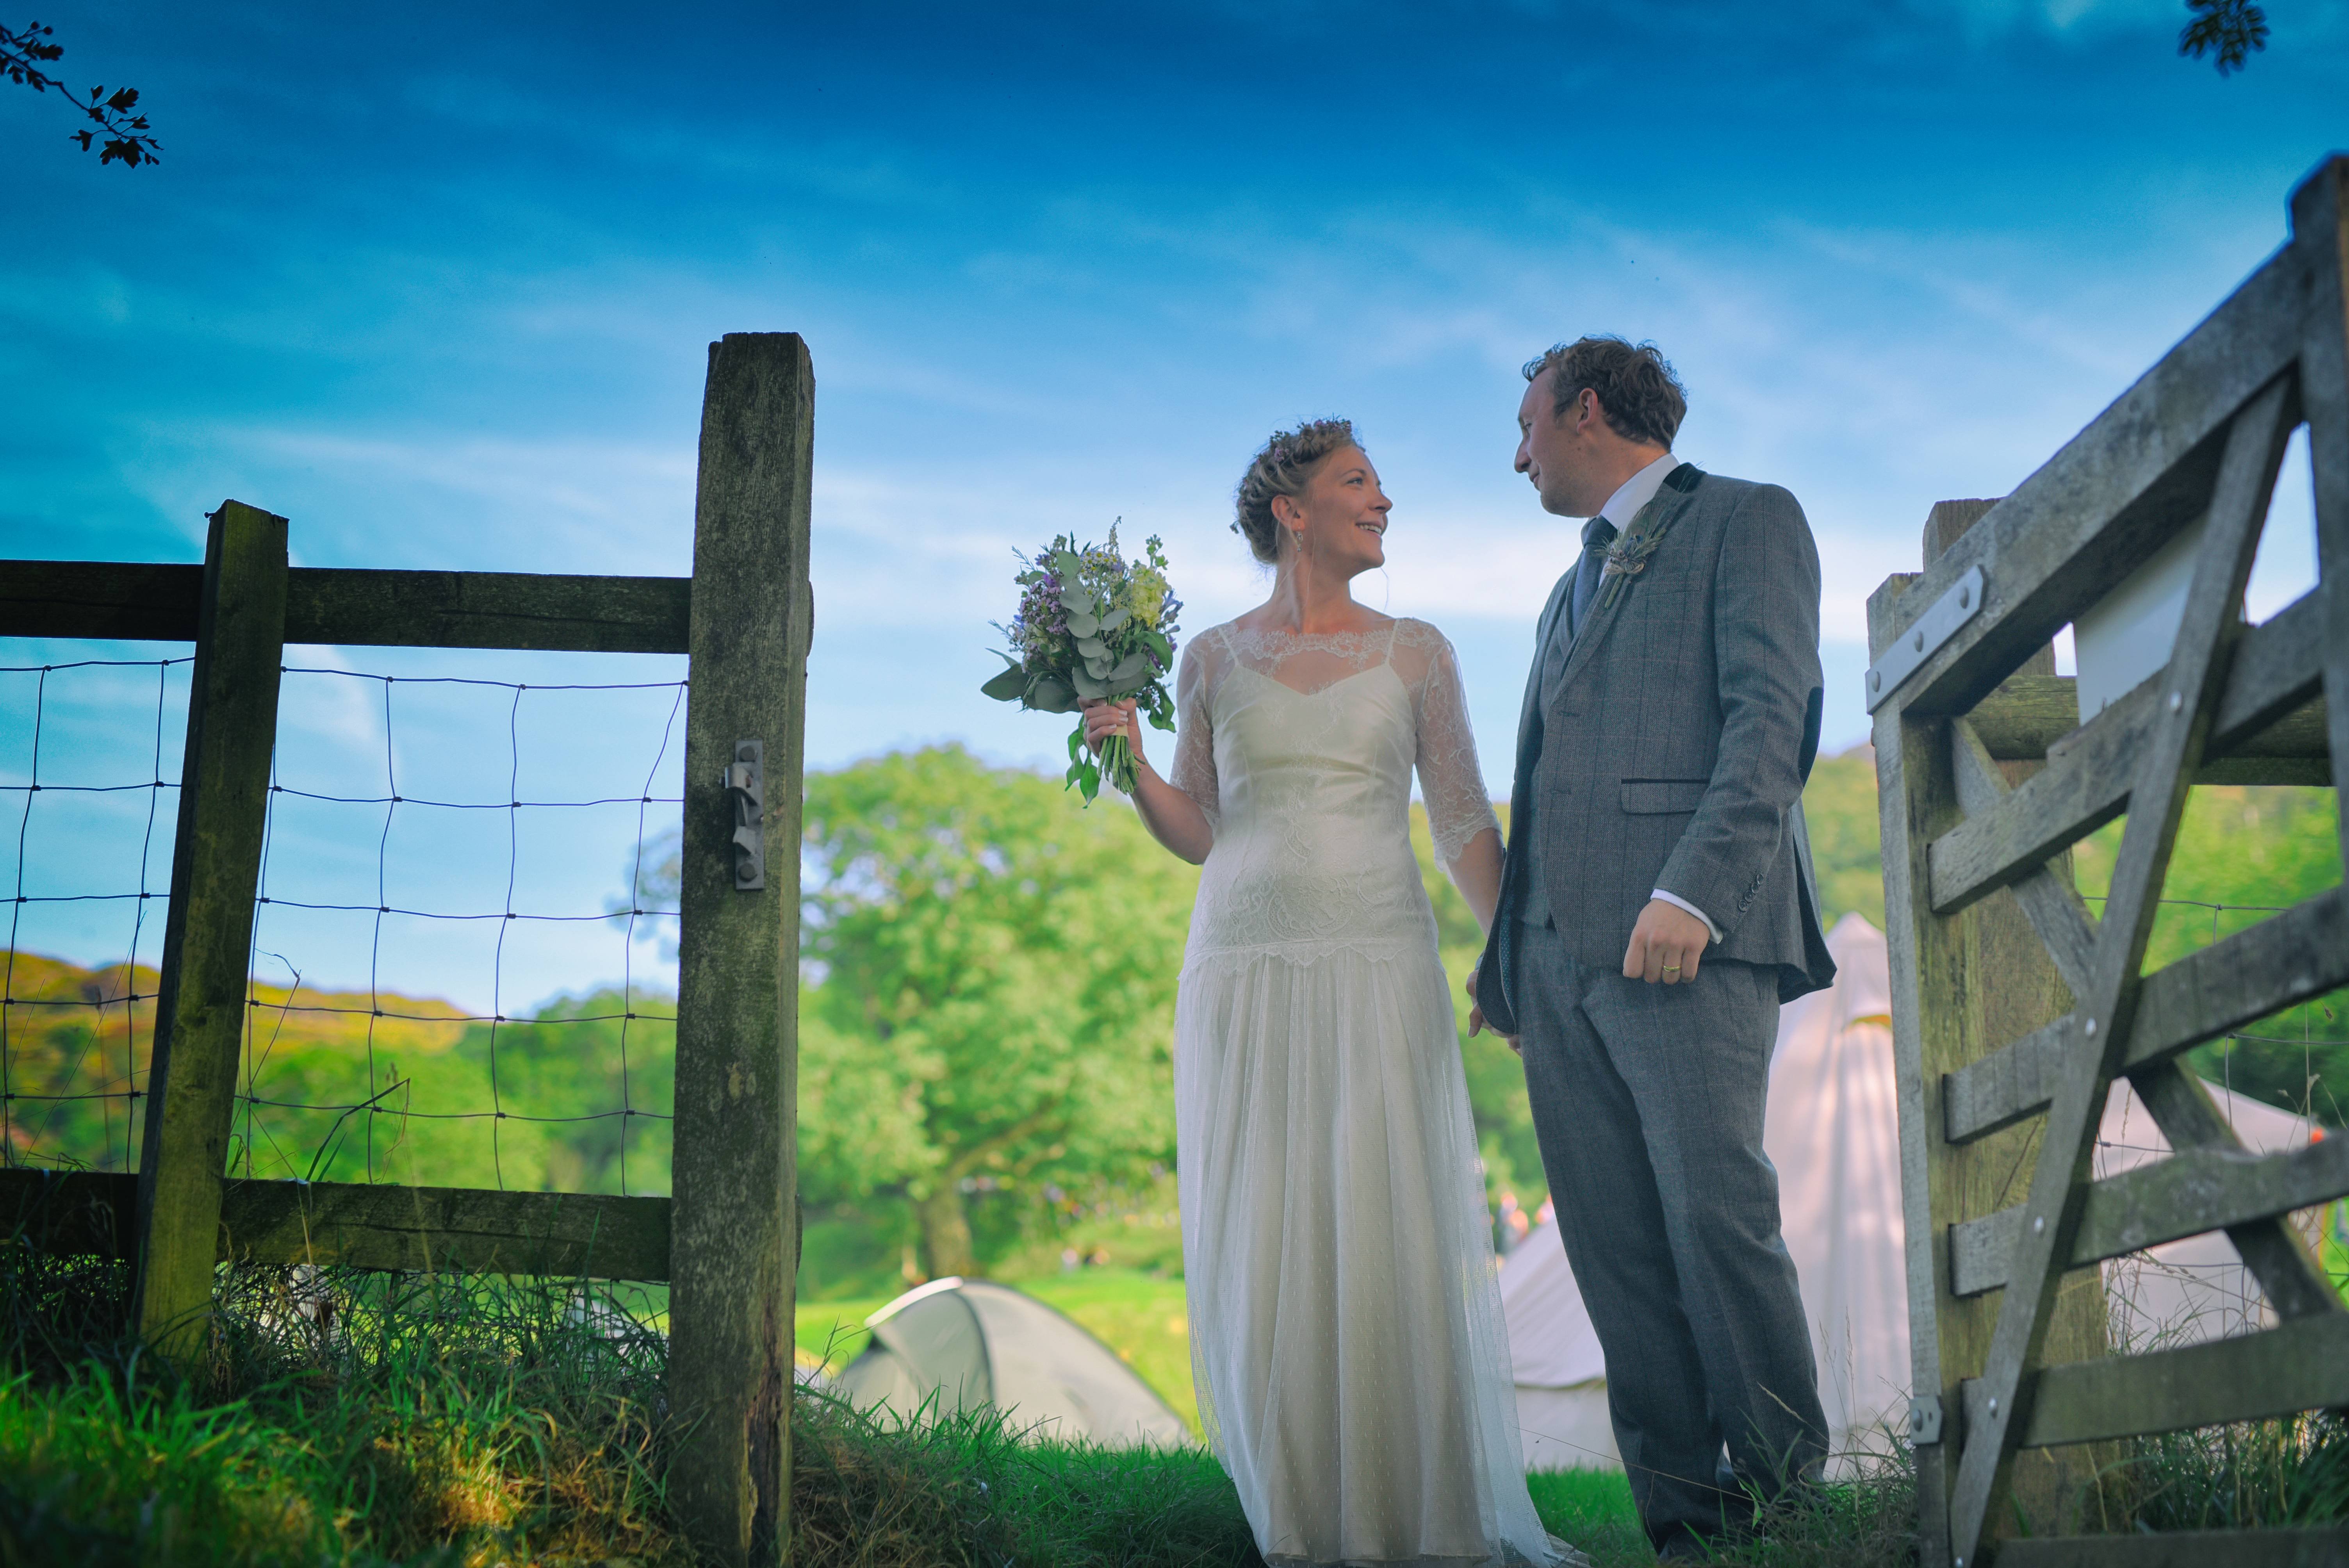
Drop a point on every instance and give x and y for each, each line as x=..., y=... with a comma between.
x=1920, y=642
x=746, y=798
x=1925, y=1420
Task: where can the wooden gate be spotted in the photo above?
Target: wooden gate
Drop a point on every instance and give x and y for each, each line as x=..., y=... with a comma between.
x=727, y=1243
x=2195, y=444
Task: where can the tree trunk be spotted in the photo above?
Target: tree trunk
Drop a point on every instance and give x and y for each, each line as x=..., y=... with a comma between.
x=946, y=1231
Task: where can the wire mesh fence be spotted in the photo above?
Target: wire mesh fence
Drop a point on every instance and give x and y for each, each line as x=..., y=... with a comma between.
x=454, y=982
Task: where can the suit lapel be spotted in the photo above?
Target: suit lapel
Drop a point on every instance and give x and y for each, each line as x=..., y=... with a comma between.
x=1603, y=613
x=1529, y=717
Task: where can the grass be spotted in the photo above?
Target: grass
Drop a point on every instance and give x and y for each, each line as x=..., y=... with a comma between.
x=340, y=1418
x=454, y=1421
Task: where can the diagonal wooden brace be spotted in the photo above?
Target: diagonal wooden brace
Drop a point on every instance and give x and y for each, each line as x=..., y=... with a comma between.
x=2239, y=502
x=2289, y=1274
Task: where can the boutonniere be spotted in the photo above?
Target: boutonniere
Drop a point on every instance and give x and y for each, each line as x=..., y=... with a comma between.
x=1629, y=556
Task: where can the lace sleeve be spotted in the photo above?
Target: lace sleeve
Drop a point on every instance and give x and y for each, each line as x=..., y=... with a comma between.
x=1459, y=806
x=1195, y=735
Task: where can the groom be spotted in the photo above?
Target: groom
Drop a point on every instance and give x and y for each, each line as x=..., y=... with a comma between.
x=1656, y=908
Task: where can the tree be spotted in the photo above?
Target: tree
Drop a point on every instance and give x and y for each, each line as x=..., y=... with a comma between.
x=22, y=55
x=2232, y=29
x=991, y=990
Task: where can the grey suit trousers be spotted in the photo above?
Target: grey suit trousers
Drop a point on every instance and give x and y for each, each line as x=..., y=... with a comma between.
x=1647, y=1102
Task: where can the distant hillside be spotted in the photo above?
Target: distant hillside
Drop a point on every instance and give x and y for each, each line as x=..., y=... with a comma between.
x=337, y=1088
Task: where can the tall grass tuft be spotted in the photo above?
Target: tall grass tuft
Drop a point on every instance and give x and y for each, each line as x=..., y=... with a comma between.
x=973, y=1490
x=339, y=1418
x=2291, y=1472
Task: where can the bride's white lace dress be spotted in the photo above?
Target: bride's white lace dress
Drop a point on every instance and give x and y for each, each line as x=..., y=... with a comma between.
x=1345, y=1313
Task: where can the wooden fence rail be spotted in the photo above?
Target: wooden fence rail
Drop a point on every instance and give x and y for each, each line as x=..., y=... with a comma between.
x=727, y=1243
x=1987, y=777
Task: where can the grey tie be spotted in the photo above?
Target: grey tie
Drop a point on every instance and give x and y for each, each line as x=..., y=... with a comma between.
x=1596, y=535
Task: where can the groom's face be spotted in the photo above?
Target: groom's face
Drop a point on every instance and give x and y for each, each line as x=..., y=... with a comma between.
x=1549, y=451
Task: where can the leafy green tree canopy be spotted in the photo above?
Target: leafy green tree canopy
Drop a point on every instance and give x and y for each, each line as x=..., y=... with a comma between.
x=989, y=990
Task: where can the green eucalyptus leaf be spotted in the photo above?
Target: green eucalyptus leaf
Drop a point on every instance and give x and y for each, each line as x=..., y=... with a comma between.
x=1130, y=669
x=1092, y=647
x=1050, y=694
x=1081, y=625
x=1116, y=618
x=1008, y=685
x=1087, y=685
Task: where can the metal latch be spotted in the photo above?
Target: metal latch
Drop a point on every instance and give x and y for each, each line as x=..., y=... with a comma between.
x=1920, y=642
x=746, y=795
x=1925, y=1420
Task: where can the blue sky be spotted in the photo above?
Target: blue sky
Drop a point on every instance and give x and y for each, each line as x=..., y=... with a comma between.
x=437, y=284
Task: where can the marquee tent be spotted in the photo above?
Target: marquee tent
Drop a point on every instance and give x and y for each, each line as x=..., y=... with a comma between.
x=1833, y=1130
x=954, y=1344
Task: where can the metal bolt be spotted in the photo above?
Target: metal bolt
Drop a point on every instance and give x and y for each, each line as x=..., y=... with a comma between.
x=1876, y=680
x=1965, y=598
x=2038, y=1223
x=1994, y=1404
x=2092, y=1028
x=2177, y=700
x=1918, y=641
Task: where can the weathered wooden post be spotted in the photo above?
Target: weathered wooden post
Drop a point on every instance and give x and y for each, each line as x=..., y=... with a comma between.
x=734, y=1228
x=208, y=935
x=2189, y=453
x=1984, y=980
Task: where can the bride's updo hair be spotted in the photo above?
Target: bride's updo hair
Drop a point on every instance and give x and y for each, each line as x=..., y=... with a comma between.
x=1284, y=467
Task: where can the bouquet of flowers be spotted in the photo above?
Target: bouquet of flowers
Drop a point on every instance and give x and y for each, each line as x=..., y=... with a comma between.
x=1091, y=624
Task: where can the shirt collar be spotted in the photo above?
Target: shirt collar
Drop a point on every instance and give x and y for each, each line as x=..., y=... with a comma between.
x=1637, y=491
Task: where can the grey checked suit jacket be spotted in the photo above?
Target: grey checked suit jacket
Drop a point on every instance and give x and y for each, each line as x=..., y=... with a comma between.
x=1673, y=751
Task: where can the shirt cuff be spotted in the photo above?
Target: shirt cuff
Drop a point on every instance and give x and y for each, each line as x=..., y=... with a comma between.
x=1677, y=902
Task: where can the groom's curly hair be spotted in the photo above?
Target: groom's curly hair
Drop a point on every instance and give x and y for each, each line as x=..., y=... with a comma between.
x=1283, y=466
x=1642, y=399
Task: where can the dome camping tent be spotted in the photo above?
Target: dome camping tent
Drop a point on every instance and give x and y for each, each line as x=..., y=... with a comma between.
x=1833, y=1132
x=954, y=1344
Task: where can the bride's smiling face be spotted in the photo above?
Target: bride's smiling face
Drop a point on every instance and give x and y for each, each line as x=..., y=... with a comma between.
x=1340, y=521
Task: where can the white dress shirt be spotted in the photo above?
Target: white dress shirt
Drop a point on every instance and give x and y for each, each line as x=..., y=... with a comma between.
x=1620, y=509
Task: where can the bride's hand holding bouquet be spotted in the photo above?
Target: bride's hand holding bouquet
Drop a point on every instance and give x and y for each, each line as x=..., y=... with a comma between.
x=1094, y=632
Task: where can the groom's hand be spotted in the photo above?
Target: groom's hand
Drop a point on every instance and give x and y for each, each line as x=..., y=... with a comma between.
x=1666, y=945
x=1477, y=1024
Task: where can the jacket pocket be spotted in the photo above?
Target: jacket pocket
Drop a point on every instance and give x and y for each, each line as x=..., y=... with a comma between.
x=1653, y=797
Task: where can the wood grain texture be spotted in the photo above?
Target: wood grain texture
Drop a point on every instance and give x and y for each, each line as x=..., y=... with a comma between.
x=489, y=610
x=2320, y=222
x=137, y=601
x=734, y=1226
x=2196, y=681
x=2285, y=959
x=208, y=935
x=2127, y=483
x=2277, y=1371
x=2275, y=1254
x=1961, y=983
x=2281, y=1548
x=359, y=609
x=2192, y=1191
x=419, y=1229
x=2263, y=713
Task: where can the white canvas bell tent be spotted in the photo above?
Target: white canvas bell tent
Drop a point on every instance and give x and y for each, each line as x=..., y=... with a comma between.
x=957, y=1344
x=1833, y=1132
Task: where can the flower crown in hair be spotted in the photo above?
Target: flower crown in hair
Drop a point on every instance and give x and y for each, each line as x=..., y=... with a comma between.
x=1280, y=456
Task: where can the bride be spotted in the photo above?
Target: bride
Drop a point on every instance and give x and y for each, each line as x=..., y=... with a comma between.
x=1345, y=1314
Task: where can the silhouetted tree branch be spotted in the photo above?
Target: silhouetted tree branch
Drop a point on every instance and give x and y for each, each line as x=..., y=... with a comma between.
x=22, y=55
x=2232, y=29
